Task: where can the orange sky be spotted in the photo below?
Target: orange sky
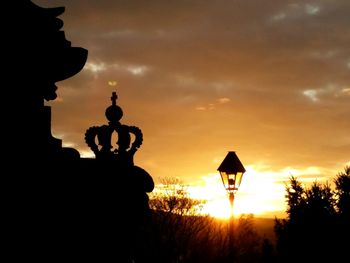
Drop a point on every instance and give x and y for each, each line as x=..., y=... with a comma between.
x=267, y=79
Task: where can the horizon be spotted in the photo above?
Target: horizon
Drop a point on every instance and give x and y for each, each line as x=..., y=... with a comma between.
x=251, y=197
x=269, y=80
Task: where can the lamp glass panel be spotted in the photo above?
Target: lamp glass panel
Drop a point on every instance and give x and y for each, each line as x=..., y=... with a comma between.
x=239, y=177
x=224, y=178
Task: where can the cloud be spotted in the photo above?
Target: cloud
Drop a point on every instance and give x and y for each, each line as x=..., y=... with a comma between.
x=327, y=92
x=98, y=67
x=312, y=9
x=95, y=67
x=311, y=94
x=279, y=16
x=201, y=108
x=295, y=12
x=224, y=100
x=213, y=106
x=137, y=70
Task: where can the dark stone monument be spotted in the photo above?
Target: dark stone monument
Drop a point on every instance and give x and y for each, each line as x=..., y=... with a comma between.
x=131, y=183
x=38, y=56
x=58, y=206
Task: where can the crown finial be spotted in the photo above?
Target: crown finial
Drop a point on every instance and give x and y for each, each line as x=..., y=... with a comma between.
x=114, y=98
x=126, y=145
x=114, y=113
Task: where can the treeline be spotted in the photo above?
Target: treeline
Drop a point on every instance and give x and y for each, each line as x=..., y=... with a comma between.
x=175, y=238
x=177, y=233
x=317, y=228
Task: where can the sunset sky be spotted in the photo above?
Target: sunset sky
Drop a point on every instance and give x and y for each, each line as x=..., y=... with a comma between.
x=267, y=79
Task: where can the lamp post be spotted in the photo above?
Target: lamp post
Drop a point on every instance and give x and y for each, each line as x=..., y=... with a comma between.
x=231, y=171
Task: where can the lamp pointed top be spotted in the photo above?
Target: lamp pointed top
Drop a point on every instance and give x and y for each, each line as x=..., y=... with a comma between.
x=231, y=164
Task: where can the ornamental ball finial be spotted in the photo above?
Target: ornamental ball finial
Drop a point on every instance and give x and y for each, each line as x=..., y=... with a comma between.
x=114, y=113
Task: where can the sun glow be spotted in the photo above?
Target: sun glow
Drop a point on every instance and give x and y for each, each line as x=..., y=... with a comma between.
x=262, y=191
x=261, y=194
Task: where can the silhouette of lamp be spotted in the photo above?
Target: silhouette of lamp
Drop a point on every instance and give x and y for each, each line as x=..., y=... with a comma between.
x=231, y=171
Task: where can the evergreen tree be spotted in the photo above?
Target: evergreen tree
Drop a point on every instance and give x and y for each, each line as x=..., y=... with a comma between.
x=317, y=222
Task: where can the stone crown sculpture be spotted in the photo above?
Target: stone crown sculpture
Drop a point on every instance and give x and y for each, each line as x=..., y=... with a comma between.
x=125, y=150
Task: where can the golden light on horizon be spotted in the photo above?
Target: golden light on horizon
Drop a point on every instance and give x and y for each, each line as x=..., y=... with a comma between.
x=260, y=194
x=262, y=191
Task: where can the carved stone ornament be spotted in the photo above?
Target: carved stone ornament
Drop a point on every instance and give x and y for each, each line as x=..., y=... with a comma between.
x=124, y=149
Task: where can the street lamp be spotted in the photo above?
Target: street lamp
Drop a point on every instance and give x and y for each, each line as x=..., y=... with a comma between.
x=231, y=171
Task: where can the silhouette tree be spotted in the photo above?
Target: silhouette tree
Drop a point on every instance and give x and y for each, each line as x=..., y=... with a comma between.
x=247, y=241
x=342, y=184
x=181, y=234
x=267, y=251
x=174, y=220
x=342, y=194
x=173, y=197
x=316, y=221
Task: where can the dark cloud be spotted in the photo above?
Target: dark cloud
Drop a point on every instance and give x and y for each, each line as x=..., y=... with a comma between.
x=282, y=65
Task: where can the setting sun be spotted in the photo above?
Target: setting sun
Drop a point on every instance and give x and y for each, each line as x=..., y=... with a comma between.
x=261, y=194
